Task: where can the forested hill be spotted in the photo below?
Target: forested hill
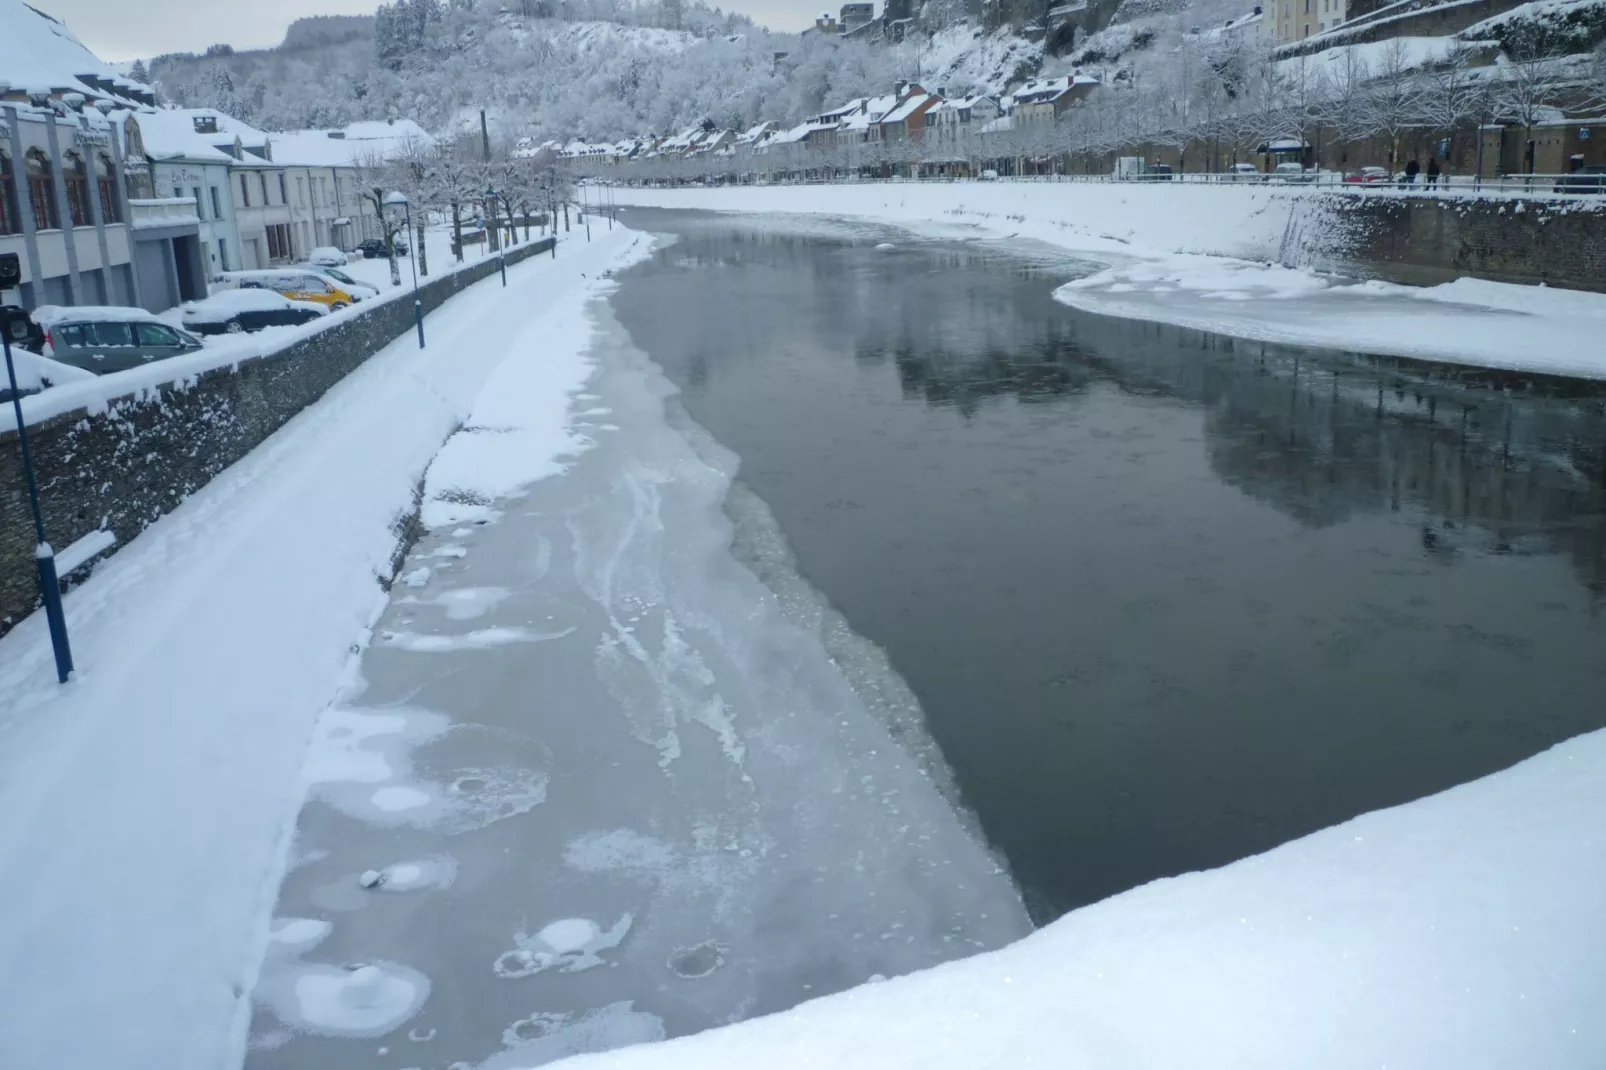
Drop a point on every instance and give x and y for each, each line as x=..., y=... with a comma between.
x=591, y=68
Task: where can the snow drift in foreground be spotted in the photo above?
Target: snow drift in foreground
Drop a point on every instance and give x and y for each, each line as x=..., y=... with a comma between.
x=1206, y=257
x=1463, y=930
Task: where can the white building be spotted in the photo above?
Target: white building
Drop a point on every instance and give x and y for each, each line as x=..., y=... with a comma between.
x=329, y=171
x=184, y=163
x=1295, y=20
x=65, y=208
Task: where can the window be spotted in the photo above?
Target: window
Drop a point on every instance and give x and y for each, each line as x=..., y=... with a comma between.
x=111, y=206
x=312, y=284
x=245, y=193
x=217, y=204
x=279, y=241
x=108, y=335
x=223, y=252
x=41, y=198
x=264, y=180
x=200, y=205
x=284, y=193
x=178, y=191
x=10, y=221
x=77, y=189
x=155, y=334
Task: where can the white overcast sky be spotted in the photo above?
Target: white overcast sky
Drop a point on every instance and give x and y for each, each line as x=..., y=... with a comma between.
x=128, y=29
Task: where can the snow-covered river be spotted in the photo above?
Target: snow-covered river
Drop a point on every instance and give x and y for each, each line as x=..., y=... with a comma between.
x=655, y=746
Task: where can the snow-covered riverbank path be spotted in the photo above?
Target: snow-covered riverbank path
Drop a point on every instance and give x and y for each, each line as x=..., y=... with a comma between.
x=148, y=804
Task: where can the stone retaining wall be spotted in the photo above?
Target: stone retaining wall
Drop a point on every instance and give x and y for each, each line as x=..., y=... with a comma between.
x=1428, y=240
x=127, y=466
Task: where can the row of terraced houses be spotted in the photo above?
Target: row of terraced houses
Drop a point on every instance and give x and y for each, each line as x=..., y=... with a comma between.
x=107, y=199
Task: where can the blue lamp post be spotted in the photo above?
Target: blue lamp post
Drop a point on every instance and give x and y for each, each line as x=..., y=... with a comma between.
x=44, y=557
x=501, y=246
x=398, y=199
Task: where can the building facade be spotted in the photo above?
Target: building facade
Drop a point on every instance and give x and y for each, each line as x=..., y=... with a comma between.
x=64, y=206
x=1294, y=20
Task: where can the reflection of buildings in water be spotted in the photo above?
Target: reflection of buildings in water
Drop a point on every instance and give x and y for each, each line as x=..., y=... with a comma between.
x=1498, y=464
x=1322, y=436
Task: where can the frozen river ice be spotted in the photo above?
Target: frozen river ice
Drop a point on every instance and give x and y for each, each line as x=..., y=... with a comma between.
x=600, y=785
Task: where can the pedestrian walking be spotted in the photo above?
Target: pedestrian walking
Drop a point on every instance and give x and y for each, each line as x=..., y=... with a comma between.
x=1433, y=173
x=1411, y=170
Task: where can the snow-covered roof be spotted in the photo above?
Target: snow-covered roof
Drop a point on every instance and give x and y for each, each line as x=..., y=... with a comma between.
x=756, y=132
x=355, y=144
x=45, y=315
x=228, y=128
x=1044, y=90
x=871, y=112
x=1001, y=125
x=170, y=135
x=911, y=104
x=963, y=103
x=40, y=56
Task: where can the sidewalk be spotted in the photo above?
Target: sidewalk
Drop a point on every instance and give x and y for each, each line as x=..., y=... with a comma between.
x=148, y=804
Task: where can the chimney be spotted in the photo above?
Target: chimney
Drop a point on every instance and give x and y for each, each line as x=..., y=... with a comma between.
x=900, y=89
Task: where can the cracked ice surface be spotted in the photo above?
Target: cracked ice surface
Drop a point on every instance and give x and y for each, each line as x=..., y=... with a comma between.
x=667, y=796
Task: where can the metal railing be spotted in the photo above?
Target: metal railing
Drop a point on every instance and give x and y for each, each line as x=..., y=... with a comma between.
x=1536, y=185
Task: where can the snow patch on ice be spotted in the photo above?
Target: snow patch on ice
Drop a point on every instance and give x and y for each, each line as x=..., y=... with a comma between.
x=300, y=934
x=400, y=797
x=483, y=639
x=368, y=1001
x=566, y=946
x=544, y=1036
x=620, y=849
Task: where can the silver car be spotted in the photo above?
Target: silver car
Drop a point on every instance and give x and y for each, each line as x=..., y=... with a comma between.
x=106, y=339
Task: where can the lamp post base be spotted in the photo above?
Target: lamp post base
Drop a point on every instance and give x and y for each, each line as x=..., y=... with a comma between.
x=55, y=616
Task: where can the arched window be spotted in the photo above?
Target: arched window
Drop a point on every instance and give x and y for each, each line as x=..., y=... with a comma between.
x=106, y=184
x=77, y=189
x=10, y=222
x=41, y=198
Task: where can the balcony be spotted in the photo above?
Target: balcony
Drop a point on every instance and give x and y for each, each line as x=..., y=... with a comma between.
x=162, y=212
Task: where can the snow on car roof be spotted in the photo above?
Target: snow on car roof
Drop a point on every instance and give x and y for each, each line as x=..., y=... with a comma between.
x=48, y=314
x=238, y=301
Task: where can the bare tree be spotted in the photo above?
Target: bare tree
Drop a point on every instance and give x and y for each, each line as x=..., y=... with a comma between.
x=1527, y=86
x=1452, y=96
x=1393, y=98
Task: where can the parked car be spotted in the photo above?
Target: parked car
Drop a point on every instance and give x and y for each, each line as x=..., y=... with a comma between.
x=989, y=175
x=1160, y=172
x=1242, y=172
x=297, y=283
x=1590, y=179
x=105, y=339
x=1292, y=172
x=359, y=291
x=375, y=249
x=326, y=256
x=20, y=329
x=234, y=311
x=1366, y=176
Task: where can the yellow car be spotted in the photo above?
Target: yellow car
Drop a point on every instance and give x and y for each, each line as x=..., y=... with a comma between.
x=296, y=284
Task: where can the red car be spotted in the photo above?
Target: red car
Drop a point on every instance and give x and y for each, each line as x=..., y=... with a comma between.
x=1368, y=175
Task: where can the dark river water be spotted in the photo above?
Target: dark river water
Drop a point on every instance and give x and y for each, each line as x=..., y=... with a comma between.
x=1167, y=599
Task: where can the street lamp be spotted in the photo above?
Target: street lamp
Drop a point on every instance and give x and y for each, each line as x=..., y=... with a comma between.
x=501, y=253
x=43, y=556
x=394, y=199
